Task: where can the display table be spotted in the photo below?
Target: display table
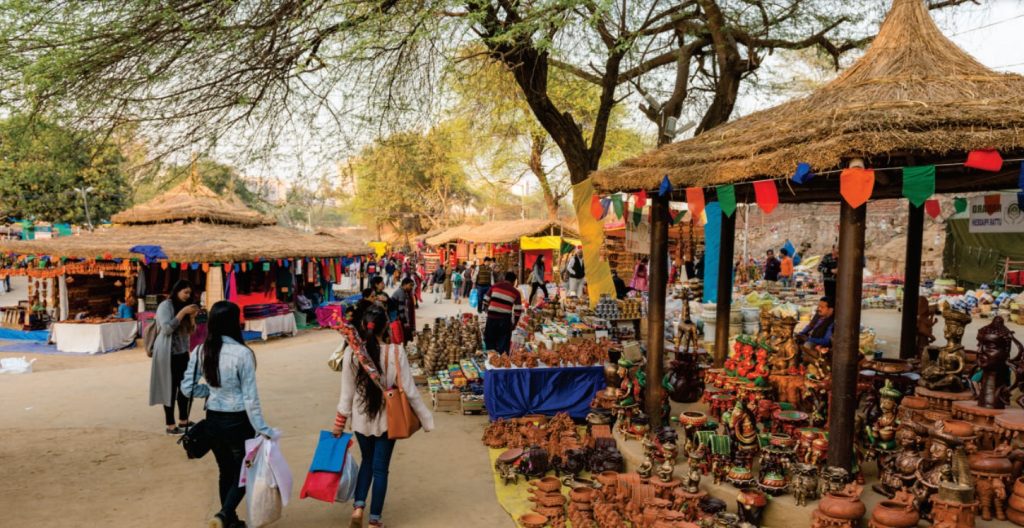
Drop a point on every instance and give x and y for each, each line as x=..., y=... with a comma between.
x=510, y=393
x=94, y=338
x=273, y=325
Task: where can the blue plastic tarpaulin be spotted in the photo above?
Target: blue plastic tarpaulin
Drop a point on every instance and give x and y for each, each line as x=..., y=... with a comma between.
x=510, y=393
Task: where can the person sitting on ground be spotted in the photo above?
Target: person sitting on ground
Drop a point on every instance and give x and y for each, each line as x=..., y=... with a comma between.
x=504, y=304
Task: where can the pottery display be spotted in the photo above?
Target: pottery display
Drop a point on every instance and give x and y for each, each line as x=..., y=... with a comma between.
x=844, y=504
x=896, y=513
x=533, y=520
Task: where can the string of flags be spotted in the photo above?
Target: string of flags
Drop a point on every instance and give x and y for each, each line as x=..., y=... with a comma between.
x=856, y=186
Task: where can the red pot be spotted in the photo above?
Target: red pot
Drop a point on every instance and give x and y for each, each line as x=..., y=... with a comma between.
x=533, y=520
x=958, y=428
x=1018, y=487
x=842, y=506
x=895, y=514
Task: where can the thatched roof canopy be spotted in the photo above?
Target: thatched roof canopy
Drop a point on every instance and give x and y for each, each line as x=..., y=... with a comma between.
x=913, y=98
x=193, y=242
x=193, y=201
x=501, y=231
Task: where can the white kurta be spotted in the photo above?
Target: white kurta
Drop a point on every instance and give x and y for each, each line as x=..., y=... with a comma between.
x=351, y=404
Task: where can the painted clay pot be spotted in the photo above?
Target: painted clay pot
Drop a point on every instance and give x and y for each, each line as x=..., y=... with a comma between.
x=842, y=505
x=958, y=428
x=549, y=500
x=548, y=484
x=782, y=440
x=894, y=514
x=533, y=520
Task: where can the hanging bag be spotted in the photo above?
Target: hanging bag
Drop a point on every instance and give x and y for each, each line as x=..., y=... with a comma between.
x=196, y=440
x=402, y=420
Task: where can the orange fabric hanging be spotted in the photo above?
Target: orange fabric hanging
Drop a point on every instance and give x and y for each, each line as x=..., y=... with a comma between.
x=595, y=207
x=695, y=201
x=855, y=185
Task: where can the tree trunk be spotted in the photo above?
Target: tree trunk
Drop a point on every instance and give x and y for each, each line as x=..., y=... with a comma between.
x=730, y=68
x=537, y=168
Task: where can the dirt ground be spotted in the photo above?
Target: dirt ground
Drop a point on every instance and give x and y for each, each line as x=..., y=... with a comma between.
x=79, y=446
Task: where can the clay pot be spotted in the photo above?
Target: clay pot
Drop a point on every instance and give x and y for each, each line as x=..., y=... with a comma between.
x=958, y=428
x=608, y=478
x=842, y=505
x=918, y=403
x=584, y=495
x=1016, y=502
x=1016, y=517
x=895, y=514
x=991, y=463
x=548, y=484
x=549, y=500
x=1018, y=487
x=533, y=520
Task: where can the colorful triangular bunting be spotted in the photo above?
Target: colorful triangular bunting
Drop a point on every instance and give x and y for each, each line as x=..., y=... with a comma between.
x=856, y=185
x=919, y=183
x=641, y=199
x=617, y=204
x=959, y=204
x=695, y=201
x=803, y=174
x=992, y=204
x=727, y=199
x=665, y=188
x=984, y=159
x=932, y=208
x=767, y=195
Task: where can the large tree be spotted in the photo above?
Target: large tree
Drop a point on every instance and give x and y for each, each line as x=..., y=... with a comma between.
x=42, y=164
x=220, y=177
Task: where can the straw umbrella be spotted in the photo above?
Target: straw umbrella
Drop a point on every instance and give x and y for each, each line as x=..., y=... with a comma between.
x=914, y=98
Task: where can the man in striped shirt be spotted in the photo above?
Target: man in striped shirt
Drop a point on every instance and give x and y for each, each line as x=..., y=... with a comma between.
x=504, y=305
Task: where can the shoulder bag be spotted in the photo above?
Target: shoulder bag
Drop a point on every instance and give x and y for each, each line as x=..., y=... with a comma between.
x=402, y=420
x=196, y=440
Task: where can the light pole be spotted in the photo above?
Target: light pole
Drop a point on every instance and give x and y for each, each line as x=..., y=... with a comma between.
x=85, y=198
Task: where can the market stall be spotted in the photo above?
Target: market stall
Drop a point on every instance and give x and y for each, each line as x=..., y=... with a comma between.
x=502, y=241
x=94, y=337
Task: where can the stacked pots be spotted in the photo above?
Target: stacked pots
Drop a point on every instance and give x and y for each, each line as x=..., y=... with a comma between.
x=1015, y=508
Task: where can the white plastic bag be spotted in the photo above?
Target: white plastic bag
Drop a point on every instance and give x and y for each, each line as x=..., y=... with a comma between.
x=16, y=365
x=267, y=481
x=349, y=473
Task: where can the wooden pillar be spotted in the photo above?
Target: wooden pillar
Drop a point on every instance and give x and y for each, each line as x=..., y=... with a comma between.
x=912, y=281
x=658, y=275
x=723, y=305
x=846, y=336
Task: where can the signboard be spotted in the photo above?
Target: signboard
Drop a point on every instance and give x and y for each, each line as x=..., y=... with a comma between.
x=988, y=216
x=638, y=237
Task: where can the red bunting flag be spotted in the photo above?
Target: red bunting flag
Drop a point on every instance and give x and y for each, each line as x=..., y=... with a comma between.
x=595, y=207
x=695, y=201
x=855, y=185
x=767, y=195
x=992, y=204
x=227, y=267
x=932, y=208
x=641, y=199
x=984, y=159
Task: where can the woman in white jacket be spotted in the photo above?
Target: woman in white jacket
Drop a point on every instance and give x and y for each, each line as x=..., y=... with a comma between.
x=362, y=406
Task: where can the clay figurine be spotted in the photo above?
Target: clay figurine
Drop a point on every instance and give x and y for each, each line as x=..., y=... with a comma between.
x=946, y=373
x=743, y=431
x=805, y=483
x=897, y=469
x=925, y=322
x=994, y=343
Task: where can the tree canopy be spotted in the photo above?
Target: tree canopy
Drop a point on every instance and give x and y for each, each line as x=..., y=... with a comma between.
x=41, y=165
x=220, y=177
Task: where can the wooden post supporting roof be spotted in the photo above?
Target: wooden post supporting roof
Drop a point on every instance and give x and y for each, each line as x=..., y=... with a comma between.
x=912, y=282
x=846, y=337
x=726, y=254
x=656, y=291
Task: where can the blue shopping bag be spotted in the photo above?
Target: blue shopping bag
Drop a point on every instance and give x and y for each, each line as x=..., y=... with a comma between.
x=474, y=298
x=330, y=452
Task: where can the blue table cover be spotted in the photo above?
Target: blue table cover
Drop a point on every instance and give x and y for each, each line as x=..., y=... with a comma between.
x=511, y=393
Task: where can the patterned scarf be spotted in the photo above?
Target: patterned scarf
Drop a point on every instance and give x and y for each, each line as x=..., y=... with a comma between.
x=359, y=352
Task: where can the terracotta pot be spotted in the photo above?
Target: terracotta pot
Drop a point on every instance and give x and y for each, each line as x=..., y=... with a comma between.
x=1018, y=487
x=608, y=478
x=1017, y=502
x=551, y=513
x=842, y=506
x=585, y=495
x=533, y=520
x=895, y=514
x=549, y=500
x=1016, y=517
x=918, y=403
x=991, y=463
x=958, y=428
x=548, y=484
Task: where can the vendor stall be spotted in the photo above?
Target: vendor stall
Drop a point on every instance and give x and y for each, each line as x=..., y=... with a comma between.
x=502, y=240
x=94, y=337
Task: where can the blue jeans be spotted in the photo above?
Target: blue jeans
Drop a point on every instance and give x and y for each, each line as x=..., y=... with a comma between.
x=376, y=451
x=481, y=291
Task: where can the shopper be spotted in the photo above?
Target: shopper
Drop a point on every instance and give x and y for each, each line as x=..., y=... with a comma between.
x=437, y=283
x=483, y=281
x=362, y=406
x=233, y=412
x=469, y=276
x=389, y=273
x=504, y=305
x=786, y=268
x=772, y=266
x=577, y=272
x=456, y=282
x=175, y=322
x=404, y=308
x=537, y=280
x=827, y=267
x=639, y=282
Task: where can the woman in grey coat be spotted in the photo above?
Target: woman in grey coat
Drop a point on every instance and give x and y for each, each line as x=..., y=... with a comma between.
x=175, y=320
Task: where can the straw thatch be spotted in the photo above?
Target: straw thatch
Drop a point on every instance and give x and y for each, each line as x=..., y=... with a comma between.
x=193, y=242
x=193, y=201
x=356, y=235
x=913, y=92
x=501, y=231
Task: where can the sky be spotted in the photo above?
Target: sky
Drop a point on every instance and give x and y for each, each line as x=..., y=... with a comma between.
x=991, y=32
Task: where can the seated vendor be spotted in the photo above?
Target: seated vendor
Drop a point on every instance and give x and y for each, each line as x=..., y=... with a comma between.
x=818, y=333
x=124, y=308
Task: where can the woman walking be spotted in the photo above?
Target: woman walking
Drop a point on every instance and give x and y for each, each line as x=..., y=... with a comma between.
x=233, y=413
x=175, y=321
x=537, y=280
x=362, y=405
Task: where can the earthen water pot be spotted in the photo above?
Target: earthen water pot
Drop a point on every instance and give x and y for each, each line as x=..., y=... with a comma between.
x=842, y=505
x=533, y=520
x=1018, y=487
x=895, y=514
x=547, y=484
x=958, y=428
x=991, y=463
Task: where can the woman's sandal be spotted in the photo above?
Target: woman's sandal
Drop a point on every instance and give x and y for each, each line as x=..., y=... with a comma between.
x=357, y=518
x=376, y=524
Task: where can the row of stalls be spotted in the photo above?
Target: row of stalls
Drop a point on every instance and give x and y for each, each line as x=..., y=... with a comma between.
x=513, y=244
x=78, y=284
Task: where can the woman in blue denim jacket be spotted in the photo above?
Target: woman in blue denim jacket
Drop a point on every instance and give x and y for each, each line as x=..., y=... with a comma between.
x=233, y=413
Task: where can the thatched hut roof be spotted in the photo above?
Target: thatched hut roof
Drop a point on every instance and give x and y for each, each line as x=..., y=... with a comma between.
x=192, y=242
x=913, y=93
x=357, y=235
x=501, y=231
x=193, y=201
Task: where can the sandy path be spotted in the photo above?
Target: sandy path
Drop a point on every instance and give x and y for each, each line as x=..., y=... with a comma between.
x=80, y=447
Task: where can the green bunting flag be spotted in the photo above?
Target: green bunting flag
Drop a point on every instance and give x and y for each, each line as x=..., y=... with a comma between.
x=727, y=199
x=638, y=215
x=266, y=266
x=677, y=216
x=919, y=183
x=617, y=204
x=960, y=204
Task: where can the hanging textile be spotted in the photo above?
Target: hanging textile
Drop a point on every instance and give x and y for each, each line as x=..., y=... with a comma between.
x=62, y=293
x=140, y=283
x=712, y=250
x=599, y=276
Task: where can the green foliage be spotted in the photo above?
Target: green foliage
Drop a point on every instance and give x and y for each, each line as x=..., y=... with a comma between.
x=41, y=164
x=411, y=180
x=219, y=177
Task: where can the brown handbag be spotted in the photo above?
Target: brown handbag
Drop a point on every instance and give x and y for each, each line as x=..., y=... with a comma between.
x=402, y=421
